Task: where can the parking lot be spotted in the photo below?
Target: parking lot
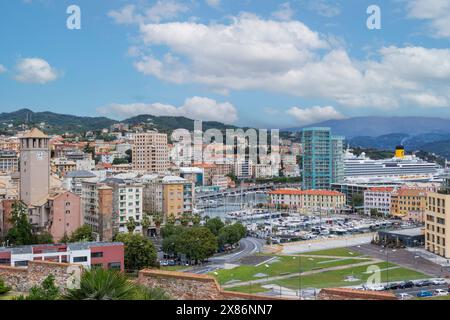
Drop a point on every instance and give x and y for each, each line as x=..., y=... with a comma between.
x=404, y=258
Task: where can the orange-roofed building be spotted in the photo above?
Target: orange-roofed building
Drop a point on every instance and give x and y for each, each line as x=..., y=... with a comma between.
x=308, y=199
x=409, y=204
x=378, y=200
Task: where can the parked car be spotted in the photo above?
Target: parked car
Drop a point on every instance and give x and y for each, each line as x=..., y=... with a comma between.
x=375, y=288
x=406, y=285
x=423, y=283
x=440, y=292
x=404, y=296
x=392, y=286
x=438, y=282
x=424, y=294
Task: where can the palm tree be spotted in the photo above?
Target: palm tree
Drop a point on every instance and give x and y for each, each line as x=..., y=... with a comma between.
x=131, y=224
x=145, y=223
x=157, y=220
x=101, y=284
x=196, y=218
x=185, y=219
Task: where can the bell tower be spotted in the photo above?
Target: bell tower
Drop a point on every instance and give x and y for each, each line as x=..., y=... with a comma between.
x=34, y=167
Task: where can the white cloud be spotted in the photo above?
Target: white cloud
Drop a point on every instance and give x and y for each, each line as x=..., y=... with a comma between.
x=213, y=3
x=160, y=11
x=2, y=68
x=284, y=12
x=435, y=12
x=198, y=108
x=325, y=8
x=286, y=56
x=305, y=116
x=35, y=70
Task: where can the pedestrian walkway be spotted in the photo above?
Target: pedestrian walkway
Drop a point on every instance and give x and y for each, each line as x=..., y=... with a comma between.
x=430, y=256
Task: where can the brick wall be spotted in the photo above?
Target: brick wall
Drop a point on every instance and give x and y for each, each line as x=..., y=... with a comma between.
x=22, y=279
x=352, y=294
x=190, y=286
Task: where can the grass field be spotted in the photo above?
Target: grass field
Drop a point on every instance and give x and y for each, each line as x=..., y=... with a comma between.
x=339, y=252
x=174, y=268
x=283, y=265
x=335, y=278
x=330, y=279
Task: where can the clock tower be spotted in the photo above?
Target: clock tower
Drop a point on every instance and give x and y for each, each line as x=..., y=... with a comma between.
x=34, y=167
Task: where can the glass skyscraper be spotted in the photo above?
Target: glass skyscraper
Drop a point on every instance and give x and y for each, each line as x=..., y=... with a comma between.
x=322, y=158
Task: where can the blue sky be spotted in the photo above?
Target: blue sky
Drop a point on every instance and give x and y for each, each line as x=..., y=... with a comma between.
x=262, y=63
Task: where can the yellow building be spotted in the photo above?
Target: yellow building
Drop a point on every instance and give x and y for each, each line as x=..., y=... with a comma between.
x=409, y=204
x=308, y=199
x=437, y=224
x=177, y=196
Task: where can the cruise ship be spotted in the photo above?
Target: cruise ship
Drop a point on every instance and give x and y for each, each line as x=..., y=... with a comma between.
x=401, y=166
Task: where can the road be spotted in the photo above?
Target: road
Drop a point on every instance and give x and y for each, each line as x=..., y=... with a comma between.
x=247, y=247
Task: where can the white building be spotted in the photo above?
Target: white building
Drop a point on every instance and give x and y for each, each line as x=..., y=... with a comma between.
x=378, y=198
x=127, y=202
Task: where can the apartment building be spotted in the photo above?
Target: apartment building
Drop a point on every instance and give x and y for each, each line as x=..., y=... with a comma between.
x=9, y=161
x=178, y=196
x=409, y=204
x=379, y=199
x=152, y=193
x=127, y=203
x=437, y=224
x=97, y=208
x=150, y=152
x=308, y=199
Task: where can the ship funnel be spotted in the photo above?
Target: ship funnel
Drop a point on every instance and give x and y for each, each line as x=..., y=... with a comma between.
x=400, y=152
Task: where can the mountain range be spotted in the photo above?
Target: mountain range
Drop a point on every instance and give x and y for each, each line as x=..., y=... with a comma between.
x=62, y=123
x=382, y=133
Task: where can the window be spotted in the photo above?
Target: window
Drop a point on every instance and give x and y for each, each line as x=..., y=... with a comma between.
x=97, y=255
x=80, y=259
x=114, y=265
x=21, y=263
x=96, y=265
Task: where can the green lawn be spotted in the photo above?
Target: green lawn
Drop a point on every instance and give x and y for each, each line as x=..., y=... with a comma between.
x=174, y=268
x=285, y=265
x=339, y=252
x=248, y=289
x=335, y=278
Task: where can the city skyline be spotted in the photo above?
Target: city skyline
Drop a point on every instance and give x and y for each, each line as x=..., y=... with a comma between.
x=311, y=61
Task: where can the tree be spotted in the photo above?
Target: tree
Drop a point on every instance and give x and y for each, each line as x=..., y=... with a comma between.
x=196, y=218
x=231, y=234
x=139, y=251
x=3, y=287
x=120, y=161
x=82, y=234
x=374, y=212
x=43, y=237
x=21, y=231
x=214, y=225
x=65, y=238
x=131, y=225
x=46, y=291
x=129, y=154
x=357, y=200
x=185, y=219
x=171, y=219
x=101, y=284
x=197, y=243
x=145, y=223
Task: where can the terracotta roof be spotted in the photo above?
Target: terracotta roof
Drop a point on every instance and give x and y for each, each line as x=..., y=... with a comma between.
x=307, y=192
x=35, y=133
x=411, y=192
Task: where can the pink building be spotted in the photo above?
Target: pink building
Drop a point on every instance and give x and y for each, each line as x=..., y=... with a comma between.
x=64, y=214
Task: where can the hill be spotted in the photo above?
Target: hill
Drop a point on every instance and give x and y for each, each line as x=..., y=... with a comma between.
x=56, y=123
x=379, y=126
